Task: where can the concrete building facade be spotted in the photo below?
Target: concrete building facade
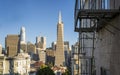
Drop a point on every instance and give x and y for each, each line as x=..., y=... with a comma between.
x=21, y=64
x=74, y=59
x=4, y=65
x=107, y=53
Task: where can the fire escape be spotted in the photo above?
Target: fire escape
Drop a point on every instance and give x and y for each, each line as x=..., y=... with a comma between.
x=90, y=16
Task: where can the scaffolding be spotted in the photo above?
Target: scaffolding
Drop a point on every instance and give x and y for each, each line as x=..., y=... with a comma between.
x=90, y=16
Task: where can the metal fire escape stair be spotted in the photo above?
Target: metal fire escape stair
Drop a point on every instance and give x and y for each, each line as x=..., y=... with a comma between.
x=98, y=16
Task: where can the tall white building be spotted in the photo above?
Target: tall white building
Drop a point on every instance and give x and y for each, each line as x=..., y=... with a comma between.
x=23, y=44
x=22, y=35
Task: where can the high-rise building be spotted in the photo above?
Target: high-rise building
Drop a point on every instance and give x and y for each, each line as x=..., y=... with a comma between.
x=23, y=44
x=59, y=57
x=0, y=49
x=67, y=53
x=12, y=45
x=50, y=56
x=31, y=48
x=74, y=59
x=53, y=45
x=41, y=43
x=22, y=35
x=41, y=47
x=42, y=55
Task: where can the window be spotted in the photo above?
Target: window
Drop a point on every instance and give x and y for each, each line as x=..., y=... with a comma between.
x=16, y=64
x=76, y=66
x=105, y=4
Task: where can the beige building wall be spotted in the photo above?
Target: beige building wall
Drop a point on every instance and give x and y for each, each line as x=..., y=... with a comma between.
x=21, y=64
x=4, y=65
x=107, y=49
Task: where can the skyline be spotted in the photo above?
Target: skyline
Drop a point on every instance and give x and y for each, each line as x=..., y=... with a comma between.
x=39, y=18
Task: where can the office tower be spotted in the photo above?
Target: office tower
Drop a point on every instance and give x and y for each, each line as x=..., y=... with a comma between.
x=54, y=45
x=42, y=56
x=50, y=56
x=74, y=59
x=12, y=45
x=37, y=39
x=41, y=43
x=31, y=48
x=41, y=47
x=23, y=45
x=67, y=53
x=66, y=46
x=0, y=49
x=22, y=35
x=59, y=57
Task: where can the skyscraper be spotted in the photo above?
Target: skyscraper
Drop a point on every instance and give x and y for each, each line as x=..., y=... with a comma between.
x=53, y=45
x=41, y=43
x=22, y=35
x=12, y=45
x=23, y=45
x=59, y=54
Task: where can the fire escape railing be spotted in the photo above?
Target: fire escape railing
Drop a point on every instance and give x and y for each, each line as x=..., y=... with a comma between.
x=95, y=11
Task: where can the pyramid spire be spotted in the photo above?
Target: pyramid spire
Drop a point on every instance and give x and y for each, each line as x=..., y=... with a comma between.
x=60, y=17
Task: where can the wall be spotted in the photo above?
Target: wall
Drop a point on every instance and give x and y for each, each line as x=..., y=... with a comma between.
x=107, y=53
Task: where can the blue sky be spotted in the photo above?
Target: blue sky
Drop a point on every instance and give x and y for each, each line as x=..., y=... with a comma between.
x=39, y=17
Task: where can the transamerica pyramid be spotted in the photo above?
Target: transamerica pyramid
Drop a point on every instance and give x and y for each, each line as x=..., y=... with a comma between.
x=59, y=54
